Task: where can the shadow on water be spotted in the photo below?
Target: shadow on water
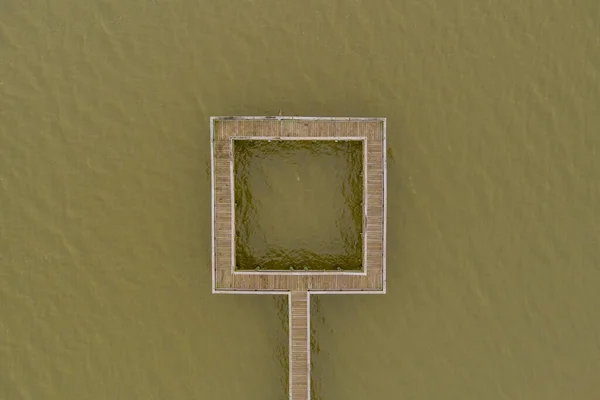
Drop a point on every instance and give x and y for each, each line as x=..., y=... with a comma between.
x=277, y=183
x=315, y=349
x=282, y=347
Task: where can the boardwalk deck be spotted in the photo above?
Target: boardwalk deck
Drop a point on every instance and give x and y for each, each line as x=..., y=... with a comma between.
x=299, y=351
x=299, y=285
x=372, y=278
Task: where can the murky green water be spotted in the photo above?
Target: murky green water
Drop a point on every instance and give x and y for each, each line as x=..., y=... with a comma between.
x=493, y=178
x=298, y=204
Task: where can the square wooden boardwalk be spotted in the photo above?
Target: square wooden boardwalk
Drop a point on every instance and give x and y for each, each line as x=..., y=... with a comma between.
x=299, y=285
x=372, y=279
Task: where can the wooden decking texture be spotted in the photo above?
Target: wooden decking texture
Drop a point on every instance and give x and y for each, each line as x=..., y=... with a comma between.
x=224, y=131
x=299, y=346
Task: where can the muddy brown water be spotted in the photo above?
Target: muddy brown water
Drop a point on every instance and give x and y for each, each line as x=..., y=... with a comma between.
x=493, y=177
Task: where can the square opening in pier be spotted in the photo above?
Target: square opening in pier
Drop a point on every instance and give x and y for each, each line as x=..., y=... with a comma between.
x=298, y=204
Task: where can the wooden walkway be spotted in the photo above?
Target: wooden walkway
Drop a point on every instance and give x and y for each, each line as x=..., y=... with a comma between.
x=299, y=285
x=299, y=331
x=372, y=278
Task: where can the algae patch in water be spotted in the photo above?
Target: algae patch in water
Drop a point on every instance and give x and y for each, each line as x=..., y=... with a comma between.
x=298, y=204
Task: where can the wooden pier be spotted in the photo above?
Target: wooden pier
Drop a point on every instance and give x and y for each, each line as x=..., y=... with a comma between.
x=298, y=285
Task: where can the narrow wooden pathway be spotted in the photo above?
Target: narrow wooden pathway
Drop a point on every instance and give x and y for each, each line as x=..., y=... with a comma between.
x=299, y=331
